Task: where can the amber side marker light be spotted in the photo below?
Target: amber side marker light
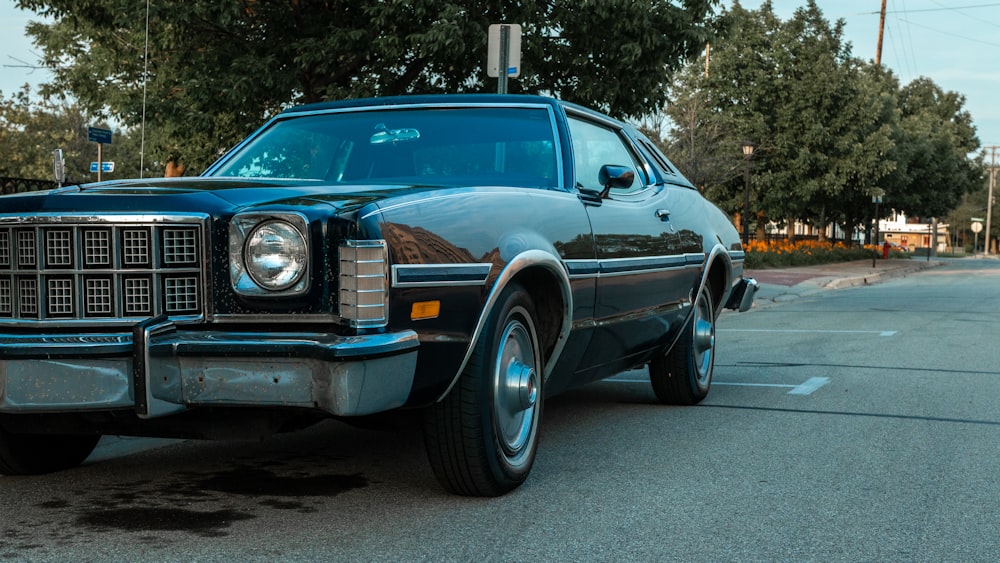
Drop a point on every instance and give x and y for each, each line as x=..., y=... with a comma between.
x=425, y=310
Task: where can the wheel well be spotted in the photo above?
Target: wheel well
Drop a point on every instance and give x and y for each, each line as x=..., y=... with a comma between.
x=716, y=282
x=546, y=295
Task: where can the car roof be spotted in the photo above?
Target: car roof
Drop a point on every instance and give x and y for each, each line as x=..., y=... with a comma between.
x=445, y=99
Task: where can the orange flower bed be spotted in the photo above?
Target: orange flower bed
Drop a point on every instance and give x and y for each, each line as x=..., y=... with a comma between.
x=778, y=253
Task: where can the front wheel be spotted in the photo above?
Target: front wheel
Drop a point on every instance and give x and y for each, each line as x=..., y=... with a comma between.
x=35, y=454
x=481, y=439
x=683, y=376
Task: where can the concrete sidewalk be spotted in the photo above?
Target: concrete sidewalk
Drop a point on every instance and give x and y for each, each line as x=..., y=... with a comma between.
x=785, y=284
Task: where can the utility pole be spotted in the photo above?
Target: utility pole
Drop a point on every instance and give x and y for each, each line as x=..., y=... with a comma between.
x=989, y=199
x=881, y=27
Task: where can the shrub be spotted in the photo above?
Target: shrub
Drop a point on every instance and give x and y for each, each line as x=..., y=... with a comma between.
x=781, y=253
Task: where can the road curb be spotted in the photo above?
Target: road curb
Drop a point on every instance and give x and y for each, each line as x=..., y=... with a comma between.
x=870, y=279
x=770, y=293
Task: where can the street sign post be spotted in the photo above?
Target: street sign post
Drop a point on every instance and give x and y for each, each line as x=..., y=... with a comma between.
x=104, y=167
x=98, y=135
x=977, y=227
x=101, y=137
x=503, y=52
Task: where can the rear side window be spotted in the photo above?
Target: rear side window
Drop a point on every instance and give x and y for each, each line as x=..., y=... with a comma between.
x=657, y=156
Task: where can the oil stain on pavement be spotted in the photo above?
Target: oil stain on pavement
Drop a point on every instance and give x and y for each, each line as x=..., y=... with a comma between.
x=170, y=505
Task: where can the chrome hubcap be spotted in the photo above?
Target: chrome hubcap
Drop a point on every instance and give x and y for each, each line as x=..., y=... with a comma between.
x=515, y=391
x=522, y=386
x=704, y=340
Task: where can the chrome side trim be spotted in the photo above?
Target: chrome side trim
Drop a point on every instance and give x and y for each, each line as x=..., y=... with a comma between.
x=440, y=275
x=610, y=267
x=524, y=260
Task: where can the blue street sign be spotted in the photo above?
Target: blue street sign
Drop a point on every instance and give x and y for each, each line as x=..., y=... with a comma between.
x=105, y=167
x=97, y=135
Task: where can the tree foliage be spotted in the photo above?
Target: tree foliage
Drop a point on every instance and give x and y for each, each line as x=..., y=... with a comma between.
x=30, y=130
x=829, y=129
x=216, y=68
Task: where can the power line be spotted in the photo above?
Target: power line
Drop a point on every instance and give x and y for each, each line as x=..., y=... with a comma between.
x=951, y=34
x=942, y=9
x=963, y=14
x=905, y=42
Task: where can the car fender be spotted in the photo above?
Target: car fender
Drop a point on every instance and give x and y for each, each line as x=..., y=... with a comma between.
x=524, y=260
x=718, y=254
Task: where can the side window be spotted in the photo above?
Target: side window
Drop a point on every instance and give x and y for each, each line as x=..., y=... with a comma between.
x=593, y=147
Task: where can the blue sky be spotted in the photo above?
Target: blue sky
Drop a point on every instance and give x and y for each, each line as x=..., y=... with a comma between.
x=956, y=43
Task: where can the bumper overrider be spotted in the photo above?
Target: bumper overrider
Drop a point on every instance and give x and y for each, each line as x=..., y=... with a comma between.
x=741, y=298
x=158, y=369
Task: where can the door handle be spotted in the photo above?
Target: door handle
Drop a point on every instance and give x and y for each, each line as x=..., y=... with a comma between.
x=663, y=214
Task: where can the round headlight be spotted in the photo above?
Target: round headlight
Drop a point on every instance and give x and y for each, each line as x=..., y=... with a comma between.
x=275, y=255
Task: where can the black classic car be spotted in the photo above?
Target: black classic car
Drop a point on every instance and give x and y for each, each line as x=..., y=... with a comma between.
x=458, y=256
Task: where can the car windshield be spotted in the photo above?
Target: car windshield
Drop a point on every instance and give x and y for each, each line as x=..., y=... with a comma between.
x=427, y=146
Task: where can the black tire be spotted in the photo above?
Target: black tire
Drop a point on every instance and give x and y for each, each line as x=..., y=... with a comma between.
x=35, y=454
x=482, y=438
x=683, y=376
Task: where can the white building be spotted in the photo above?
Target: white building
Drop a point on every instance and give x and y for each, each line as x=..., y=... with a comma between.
x=912, y=235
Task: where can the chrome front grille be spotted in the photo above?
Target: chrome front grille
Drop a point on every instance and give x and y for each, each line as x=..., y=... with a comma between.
x=121, y=268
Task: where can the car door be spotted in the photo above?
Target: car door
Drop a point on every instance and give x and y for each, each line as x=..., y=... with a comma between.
x=644, y=277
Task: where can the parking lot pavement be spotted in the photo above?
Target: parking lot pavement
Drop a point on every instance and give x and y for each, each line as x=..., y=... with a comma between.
x=784, y=284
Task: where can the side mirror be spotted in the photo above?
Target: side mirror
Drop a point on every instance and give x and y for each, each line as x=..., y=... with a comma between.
x=59, y=166
x=615, y=176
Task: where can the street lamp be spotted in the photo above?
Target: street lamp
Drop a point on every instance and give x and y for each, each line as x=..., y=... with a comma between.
x=747, y=153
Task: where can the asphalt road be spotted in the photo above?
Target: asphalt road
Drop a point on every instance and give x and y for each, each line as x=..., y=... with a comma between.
x=860, y=424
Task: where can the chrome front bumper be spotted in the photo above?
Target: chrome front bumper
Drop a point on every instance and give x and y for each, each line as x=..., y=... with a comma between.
x=159, y=370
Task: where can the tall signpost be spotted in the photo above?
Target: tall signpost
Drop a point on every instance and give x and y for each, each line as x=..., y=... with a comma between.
x=977, y=227
x=877, y=195
x=503, y=57
x=101, y=137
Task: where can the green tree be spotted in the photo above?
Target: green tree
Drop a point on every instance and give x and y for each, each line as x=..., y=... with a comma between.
x=789, y=88
x=698, y=142
x=216, y=68
x=936, y=138
x=829, y=129
x=30, y=130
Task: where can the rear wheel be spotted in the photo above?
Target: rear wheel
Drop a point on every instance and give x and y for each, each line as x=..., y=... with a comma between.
x=34, y=454
x=684, y=375
x=481, y=439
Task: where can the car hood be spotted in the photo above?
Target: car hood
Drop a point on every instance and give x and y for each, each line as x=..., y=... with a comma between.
x=206, y=195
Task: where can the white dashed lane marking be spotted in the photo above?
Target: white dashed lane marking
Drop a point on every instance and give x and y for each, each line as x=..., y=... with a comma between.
x=806, y=388
x=793, y=331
